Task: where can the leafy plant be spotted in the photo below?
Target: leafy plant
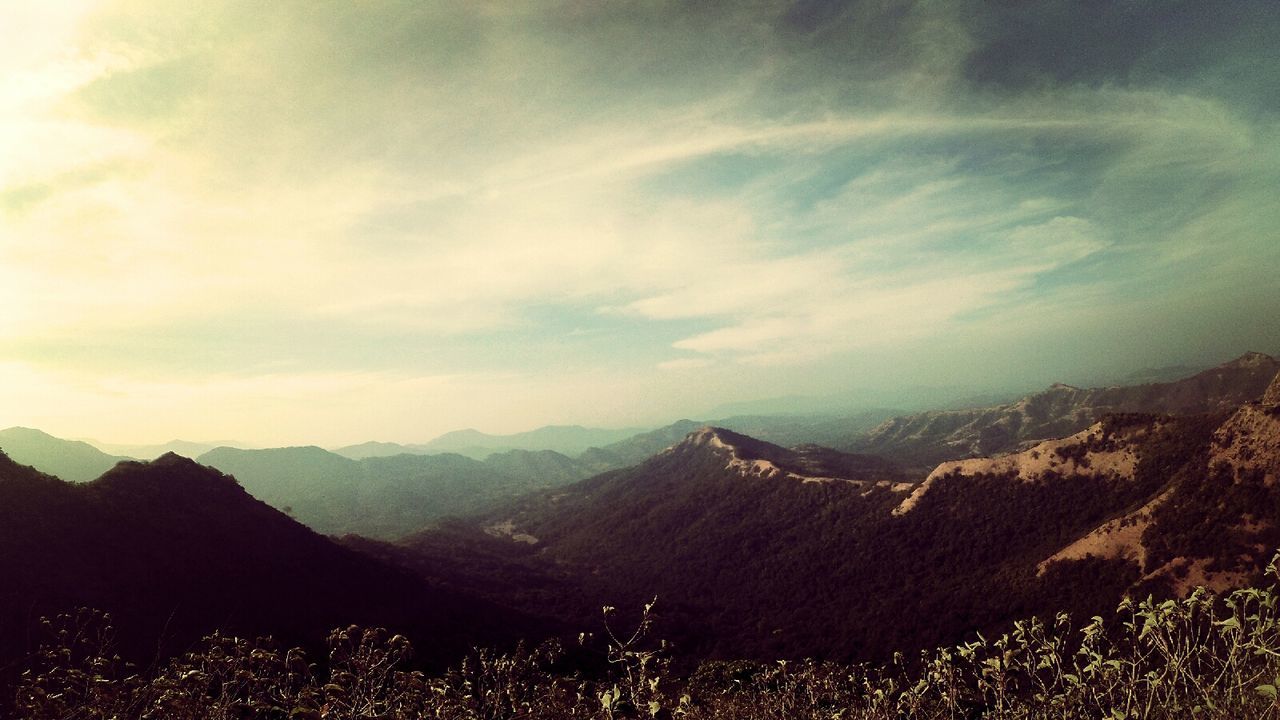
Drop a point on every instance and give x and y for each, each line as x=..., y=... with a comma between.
x=1205, y=656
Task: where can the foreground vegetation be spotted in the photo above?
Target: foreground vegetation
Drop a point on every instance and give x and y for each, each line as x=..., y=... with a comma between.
x=1205, y=656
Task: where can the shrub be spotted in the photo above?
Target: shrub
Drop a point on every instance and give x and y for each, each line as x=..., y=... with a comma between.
x=1205, y=656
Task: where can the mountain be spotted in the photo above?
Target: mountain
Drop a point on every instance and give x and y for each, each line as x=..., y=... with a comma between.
x=68, y=459
x=317, y=487
x=564, y=439
x=1168, y=373
x=185, y=448
x=1211, y=511
x=637, y=448
x=790, y=430
x=780, y=429
x=175, y=550
x=927, y=438
x=760, y=551
x=379, y=449
x=723, y=527
x=386, y=497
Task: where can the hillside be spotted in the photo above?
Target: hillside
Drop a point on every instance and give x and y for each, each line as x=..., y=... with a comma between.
x=928, y=438
x=1212, y=528
x=779, y=429
x=563, y=439
x=68, y=459
x=175, y=550
x=762, y=551
x=387, y=497
x=185, y=448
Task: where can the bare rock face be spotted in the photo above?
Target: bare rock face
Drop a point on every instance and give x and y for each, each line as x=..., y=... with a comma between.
x=1272, y=395
x=750, y=457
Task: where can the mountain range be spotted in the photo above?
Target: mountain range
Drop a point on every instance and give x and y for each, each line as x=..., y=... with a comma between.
x=761, y=551
x=381, y=496
x=927, y=438
x=68, y=459
x=185, y=448
x=755, y=549
x=565, y=439
x=391, y=496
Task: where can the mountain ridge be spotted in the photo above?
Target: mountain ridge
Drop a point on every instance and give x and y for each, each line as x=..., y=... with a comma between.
x=72, y=460
x=752, y=561
x=175, y=550
x=926, y=439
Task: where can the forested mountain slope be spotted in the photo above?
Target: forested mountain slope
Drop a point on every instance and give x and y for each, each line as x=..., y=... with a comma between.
x=175, y=550
x=761, y=551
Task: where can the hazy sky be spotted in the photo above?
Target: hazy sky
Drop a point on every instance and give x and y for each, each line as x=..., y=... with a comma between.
x=336, y=221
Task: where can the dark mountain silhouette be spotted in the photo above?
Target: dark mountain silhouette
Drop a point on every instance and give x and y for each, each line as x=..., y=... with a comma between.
x=925, y=439
x=176, y=550
x=68, y=459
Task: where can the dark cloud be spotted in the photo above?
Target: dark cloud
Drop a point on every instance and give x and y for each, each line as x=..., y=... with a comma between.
x=806, y=16
x=1023, y=45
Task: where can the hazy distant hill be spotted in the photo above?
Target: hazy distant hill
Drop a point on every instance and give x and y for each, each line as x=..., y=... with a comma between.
x=637, y=448
x=931, y=437
x=798, y=429
x=564, y=439
x=386, y=497
x=184, y=448
x=68, y=459
x=175, y=550
x=379, y=449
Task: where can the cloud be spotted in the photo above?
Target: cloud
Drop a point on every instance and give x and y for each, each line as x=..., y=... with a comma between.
x=430, y=190
x=685, y=364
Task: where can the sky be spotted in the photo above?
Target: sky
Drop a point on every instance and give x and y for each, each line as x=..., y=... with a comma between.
x=329, y=222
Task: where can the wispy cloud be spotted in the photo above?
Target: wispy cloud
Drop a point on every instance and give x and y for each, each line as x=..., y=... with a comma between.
x=448, y=190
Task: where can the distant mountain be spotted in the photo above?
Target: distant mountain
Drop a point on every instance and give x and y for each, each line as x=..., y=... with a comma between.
x=1169, y=373
x=564, y=439
x=68, y=459
x=761, y=551
x=637, y=448
x=184, y=448
x=379, y=449
x=175, y=550
x=790, y=430
x=927, y=438
x=386, y=497
x=315, y=486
